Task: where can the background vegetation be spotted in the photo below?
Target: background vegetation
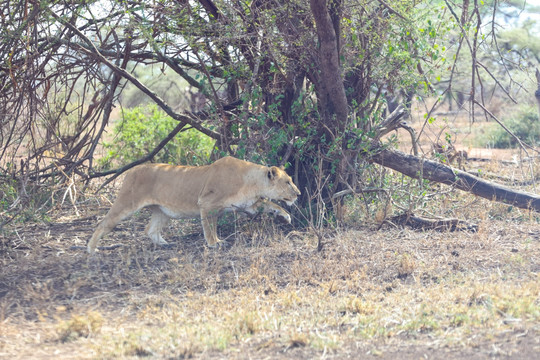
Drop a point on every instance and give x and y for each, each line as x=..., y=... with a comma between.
x=142, y=128
x=307, y=84
x=90, y=88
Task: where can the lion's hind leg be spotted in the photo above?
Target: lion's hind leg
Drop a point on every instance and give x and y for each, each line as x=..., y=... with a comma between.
x=209, y=223
x=158, y=220
x=113, y=217
x=118, y=212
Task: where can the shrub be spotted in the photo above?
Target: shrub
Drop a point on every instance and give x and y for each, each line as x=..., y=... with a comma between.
x=142, y=128
x=524, y=124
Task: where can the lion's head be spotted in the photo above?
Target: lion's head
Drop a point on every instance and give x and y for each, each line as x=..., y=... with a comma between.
x=281, y=186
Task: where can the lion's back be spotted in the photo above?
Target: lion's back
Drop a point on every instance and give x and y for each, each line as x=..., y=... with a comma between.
x=167, y=185
x=183, y=189
x=231, y=164
x=229, y=175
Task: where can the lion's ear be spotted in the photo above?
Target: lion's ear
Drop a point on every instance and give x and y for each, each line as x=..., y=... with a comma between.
x=272, y=173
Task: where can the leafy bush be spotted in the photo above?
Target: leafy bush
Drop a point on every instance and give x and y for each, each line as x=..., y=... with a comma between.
x=524, y=124
x=142, y=128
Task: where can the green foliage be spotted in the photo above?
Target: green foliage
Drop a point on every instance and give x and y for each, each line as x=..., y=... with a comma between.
x=143, y=128
x=524, y=124
x=9, y=194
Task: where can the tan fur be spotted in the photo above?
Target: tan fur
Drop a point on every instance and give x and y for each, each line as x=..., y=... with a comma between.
x=171, y=191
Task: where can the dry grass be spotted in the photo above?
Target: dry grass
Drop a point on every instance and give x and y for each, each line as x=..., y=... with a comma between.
x=270, y=294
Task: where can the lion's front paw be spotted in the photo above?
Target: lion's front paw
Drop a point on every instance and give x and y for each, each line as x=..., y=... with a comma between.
x=284, y=217
x=161, y=243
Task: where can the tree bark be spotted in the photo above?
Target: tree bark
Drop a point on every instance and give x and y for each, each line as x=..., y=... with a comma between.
x=331, y=81
x=418, y=168
x=537, y=92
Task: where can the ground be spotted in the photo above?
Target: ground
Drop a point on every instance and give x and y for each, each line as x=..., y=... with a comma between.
x=374, y=293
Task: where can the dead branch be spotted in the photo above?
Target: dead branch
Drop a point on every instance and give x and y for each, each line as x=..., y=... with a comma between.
x=417, y=222
x=92, y=50
x=419, y=168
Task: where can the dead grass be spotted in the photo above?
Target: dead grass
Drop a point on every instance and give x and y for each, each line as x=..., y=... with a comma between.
x=79, y=325
x=367, y=292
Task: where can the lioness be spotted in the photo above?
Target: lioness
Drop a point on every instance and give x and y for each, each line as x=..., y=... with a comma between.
x=170, y=191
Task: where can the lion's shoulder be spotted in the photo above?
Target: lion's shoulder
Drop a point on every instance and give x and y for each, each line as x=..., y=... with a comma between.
x=233, y=162
x=236, y=166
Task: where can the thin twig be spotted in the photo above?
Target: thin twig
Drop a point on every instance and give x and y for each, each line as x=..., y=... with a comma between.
x=92, y=50
x=522, y=144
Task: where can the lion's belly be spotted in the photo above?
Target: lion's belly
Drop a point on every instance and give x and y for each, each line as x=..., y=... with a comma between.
x=176, y=194
x=178, y=213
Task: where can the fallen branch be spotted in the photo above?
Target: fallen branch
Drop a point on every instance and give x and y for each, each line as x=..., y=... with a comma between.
x=419, y=168
x=417, y=222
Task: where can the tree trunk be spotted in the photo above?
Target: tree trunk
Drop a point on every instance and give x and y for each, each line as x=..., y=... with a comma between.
x=537, y=92
x=333, y=92
x=418, y=168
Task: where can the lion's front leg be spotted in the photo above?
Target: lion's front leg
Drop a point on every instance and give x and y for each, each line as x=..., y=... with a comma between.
x=209, y=223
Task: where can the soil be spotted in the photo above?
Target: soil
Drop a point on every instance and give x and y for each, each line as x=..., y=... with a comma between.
x=44, y=279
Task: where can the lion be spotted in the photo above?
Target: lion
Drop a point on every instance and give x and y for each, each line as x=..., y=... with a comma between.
x=170, y=191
